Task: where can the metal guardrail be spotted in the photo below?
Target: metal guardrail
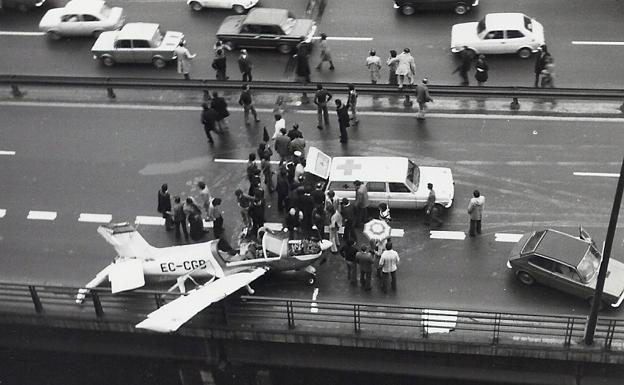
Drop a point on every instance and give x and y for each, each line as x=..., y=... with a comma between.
x=17, y=81
x=344, y=318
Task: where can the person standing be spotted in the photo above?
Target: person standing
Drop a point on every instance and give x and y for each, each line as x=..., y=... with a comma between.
x=342, y=111
x=246, y=101
x=352, y=101
x=348, y=252
x=282, y=188
x=384, y=213
x=282, y=142
x=244, y=201
x=481, y=67
x=204, y=196
x=164, y=205
x=294, y=132
x=193, y=215
x=335, y=223
x=548, y=73
x=208, y=119
x=389, y=263
x=364, y=259
x=216, y=215
x=219, y=104
x=302, y=66
x=252, y=171
x=325, y=53
x=373, y=63
x=179, y=218
x=184, y=57
x=297, y=145
x=406, y=67
x=540, y=63
x=475, y=210
x=361, y=203
x=430, y=207
x=292, y=222
x=392, y=63
x=348, y=219
x=465, y=57
x=321, y=99
x=245, y=65
x=422, y=97
x=265, y=167
x=219, y=63
x=280, y=123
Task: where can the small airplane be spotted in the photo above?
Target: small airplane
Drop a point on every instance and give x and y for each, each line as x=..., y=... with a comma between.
x=225, y=272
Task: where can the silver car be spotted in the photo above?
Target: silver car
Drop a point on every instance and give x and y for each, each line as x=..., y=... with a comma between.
x=81, y=18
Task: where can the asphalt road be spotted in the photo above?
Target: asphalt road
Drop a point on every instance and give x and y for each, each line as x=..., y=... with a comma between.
x=427, y=34
x=110, y=160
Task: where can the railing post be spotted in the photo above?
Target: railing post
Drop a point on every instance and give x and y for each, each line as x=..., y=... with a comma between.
x=569, y=330
x=35, y=298
x=97, y=305
x=610, y=333
x=290, y=314
x=496, y=331
x=356, y=318
x=15, y=91
x=109, y=91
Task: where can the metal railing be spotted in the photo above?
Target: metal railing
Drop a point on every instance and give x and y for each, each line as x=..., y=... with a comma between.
x=323, y=317
x=110, y=84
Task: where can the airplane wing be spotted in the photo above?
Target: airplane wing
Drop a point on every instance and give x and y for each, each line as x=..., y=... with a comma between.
x=177, y=312
x=126, y=275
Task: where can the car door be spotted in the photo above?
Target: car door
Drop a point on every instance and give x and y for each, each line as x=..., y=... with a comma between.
x=493, y=42
x=70, y=24
x=122, y=52
x=541, y=269
x=401, y=196
x=514, y=40
x=249, y=36
x=142, y=51
x=566, y=278
x=90, y=23
x=377, y=193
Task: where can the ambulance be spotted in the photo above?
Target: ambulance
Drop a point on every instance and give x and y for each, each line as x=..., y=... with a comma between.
x=397, y=181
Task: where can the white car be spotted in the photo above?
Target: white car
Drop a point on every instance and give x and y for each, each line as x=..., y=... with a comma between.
x=499, y=33
x=82, y=18
x=238, y=6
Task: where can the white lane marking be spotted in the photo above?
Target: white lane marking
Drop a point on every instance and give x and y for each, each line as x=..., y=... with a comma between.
x=345, y=38
x=507, y=237
x=312, y=112
x=457, y=235
x=95, y=218
x=313, y=306
x=149, y=220
x=2, y=213
x=21, y=33
x=439, y=321
x=6, y=152
x=579, y=42
x=602, y=174
x=222, y=160
x=42, y=215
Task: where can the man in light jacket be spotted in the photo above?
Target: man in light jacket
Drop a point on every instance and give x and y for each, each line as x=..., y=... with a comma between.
x=475, y=210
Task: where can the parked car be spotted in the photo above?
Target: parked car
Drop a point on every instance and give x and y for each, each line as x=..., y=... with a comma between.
x=238, y=6
x=460, y=7
x=499, y=33
x=137, y=43
x=266, y=28
x=81, y=18
x=567, y=263
x=21, y=5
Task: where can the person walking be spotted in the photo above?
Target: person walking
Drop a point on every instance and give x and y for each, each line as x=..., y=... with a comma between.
x=321, y=99
x=481, y=73
x=325, y=53
x=392, y=64
x=245, y=65
x=540, y=63
x=219, y=64
x=373, y=63
x=342, y=111
x=216, y=216
x=348, y=252
x=302, y=66
x=352, y=101
x=361, y=203
x=208, y=119
x=246, y=101
x=422, y=97
x=389, y=263
x=465, y=57
x=475, y=210
x=184, y=57
x=364, y=259
x=219, y=104
x=548, y=73
x=282, y=142
x=244, y=202
x=430, y=207
x=280, y=123
x=164, y=205
x=348, y=219
x=179, y=218
x=406, y=68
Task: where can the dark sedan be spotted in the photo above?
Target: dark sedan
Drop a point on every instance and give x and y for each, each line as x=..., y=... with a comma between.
x=266, y=28
x=567, y=263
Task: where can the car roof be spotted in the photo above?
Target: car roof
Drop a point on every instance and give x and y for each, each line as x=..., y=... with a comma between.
x=369, y=169
x=266, y=16
x=80, y=6
x=563, y=247
x=503, y=21
x=138, y=31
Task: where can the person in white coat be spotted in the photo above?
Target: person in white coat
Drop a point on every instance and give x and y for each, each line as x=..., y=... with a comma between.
x=184, y=60
x=475, y=210
x=406, y=68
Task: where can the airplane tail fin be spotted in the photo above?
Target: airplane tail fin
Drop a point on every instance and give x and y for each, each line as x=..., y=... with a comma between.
x=128, y=243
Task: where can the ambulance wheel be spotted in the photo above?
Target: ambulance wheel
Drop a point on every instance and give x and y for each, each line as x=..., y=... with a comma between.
x=108, y=61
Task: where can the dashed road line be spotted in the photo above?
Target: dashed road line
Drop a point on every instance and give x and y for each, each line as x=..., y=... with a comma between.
x=600, y=174
x=21, y=33
x=149, y=220
x=95, y=218
x=580, y=42
x=41, y=215
x=2, y=213
x=7, y=152
x=456, y=235
x=314, y=305
x=507, y=237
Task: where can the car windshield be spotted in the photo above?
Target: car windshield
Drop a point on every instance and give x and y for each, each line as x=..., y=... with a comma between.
x=288, y=25
x=157, y=38
x=481, y=26
x=528, y=23
x=413, y=174
x=588, y=267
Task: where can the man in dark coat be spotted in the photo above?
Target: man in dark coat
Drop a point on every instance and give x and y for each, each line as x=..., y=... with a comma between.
x=348, y=219
x=164, y=205
x=294, y=132
x=179, y=218
x=281, y=144
x=246, y=101
x=540, y=63
x=245, y=65
x=302, y=67
x=342, y=110
x=465, y=57
x=219, y=104
x=220, y=64
x=282, y=189
x=348, y=252
x=208, y=118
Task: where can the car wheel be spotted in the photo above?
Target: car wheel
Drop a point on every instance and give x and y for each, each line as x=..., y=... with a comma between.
x=284, y=48
x=525, y=53
x=311, y=280
x=195, y=6
x=526, y=278
x=159, y=62
x=53, y=35
x=239, y=9
x=461, y=9
x=408, y=10
x=108, y=61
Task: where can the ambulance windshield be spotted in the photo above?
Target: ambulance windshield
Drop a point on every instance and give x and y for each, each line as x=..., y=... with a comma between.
x=413, y=173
